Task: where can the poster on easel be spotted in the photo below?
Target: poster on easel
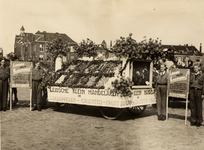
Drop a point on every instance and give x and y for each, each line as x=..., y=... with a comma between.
x=20, y=77
x=178, y=86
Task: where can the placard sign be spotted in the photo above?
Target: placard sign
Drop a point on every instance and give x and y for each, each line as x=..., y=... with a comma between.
x=100, y=97
x=178, y=83
x=20, y=74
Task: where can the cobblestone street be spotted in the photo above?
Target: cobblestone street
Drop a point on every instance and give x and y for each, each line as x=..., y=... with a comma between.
x=85, y=129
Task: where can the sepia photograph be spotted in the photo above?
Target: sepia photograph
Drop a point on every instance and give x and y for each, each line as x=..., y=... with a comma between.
x=101, y=74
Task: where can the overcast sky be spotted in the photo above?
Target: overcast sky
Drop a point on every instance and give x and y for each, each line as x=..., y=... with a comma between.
x=172, y=21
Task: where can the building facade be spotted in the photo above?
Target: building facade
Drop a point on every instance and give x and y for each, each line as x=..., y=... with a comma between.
x=32, y=47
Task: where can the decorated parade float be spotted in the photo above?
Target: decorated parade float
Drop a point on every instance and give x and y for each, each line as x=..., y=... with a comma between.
x=122, y=80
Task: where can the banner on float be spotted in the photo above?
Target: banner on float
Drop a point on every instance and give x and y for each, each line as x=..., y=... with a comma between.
x=100, y=97
x=20, y=74
x=178, y=84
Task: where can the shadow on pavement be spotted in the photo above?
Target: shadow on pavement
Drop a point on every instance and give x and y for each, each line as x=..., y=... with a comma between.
x=26, y=103
x=178, y=104
x=94, y=111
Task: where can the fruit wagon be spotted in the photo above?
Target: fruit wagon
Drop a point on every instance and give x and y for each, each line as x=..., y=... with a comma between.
x=110, y=104
x=96, y=83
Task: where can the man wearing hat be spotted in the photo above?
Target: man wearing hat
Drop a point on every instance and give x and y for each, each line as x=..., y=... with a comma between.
x=4, y=86
x=195, y=96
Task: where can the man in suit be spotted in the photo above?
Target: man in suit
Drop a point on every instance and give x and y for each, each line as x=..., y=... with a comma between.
x=4, y=86
x=195, y=96
x=37, y=74
x=161, y=88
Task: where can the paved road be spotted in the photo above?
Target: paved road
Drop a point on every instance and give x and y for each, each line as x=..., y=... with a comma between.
x=85, y=129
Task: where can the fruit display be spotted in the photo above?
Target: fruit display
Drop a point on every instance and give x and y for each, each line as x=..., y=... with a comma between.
x=70, y=68
x=82, y=74
x=80, y=66
x=71, y=80
x=92, y=68
x=91, y=81
x=103, y=80
x=60, y=80
x=82, y=81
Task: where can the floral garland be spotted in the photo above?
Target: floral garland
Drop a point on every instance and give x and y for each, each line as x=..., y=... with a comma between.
x=122, y=86
x=49, y=78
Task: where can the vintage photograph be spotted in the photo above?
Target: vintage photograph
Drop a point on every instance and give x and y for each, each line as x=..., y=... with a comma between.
x=101, y=75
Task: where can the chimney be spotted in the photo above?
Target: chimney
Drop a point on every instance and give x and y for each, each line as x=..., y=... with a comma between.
x=110, y=43
x=200, y=47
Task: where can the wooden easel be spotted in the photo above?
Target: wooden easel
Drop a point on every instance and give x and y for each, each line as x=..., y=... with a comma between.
x=11, y=96
x=187, y=93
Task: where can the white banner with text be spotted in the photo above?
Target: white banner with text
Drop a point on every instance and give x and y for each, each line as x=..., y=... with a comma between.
x=100, y=97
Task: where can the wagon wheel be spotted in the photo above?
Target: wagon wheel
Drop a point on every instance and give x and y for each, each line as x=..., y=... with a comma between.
x=64, y=106
x=136, y=110
x=110, y=113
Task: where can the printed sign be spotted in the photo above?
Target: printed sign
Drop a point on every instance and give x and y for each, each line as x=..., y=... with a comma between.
x=178, y=83
x=20, y=74
x=100, y=97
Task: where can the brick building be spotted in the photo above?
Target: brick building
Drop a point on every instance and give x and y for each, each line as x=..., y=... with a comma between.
x=29, y=46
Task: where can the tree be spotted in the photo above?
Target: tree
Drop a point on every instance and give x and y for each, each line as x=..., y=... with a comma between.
x=57, y=47
x=86, y=48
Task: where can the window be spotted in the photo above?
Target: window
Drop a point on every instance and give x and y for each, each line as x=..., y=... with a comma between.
x=141, y=73
x=40, y=57
x=41, y=48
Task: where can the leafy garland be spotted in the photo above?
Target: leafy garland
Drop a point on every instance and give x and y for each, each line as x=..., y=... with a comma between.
x=128, y=47
x=49, y=78
x=122, y=86
x=86, y=48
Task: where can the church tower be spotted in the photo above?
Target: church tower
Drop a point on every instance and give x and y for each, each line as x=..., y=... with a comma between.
x=22, y=31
